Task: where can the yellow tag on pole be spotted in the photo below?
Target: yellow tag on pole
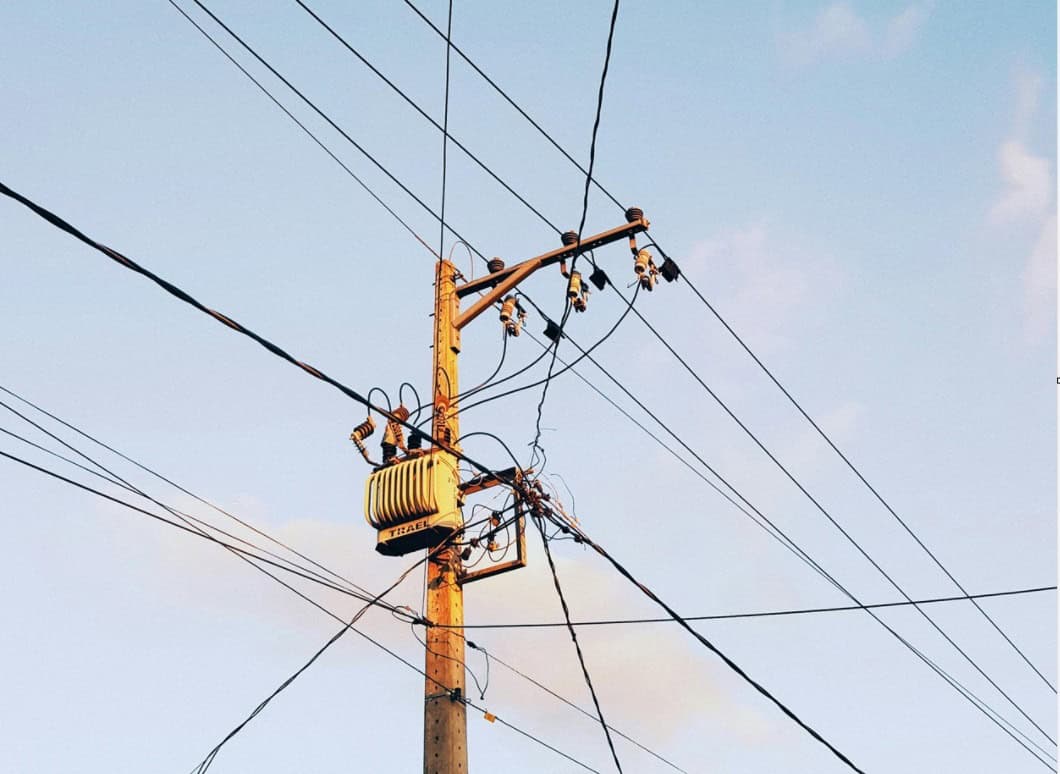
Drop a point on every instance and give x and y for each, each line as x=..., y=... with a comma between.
x=490, y=717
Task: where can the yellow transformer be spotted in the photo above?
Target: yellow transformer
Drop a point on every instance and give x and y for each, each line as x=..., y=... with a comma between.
x=413, y=503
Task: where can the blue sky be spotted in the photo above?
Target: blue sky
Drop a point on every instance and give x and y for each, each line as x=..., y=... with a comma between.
x=866, y=191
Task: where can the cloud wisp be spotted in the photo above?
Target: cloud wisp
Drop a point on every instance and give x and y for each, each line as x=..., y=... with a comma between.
x=839, y=31
x=1026, y=199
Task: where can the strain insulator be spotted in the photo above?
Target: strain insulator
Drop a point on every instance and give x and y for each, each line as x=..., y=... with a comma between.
x=495, y=265
x=634, y=214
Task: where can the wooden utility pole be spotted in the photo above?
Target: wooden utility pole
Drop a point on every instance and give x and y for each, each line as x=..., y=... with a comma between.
x=444, y=713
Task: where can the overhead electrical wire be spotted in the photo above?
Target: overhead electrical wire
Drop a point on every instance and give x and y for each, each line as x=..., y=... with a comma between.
x=545, y=512
x=835, y=523
x=213, y=506
x=445, y=128
x=577, y=645
x=569, y=703
x=743, y=344
x=306, y=130
x=770, y=527
x=406, y=191
x=272, y=348
x=568, y=303
x=212, y=755
x=758, y=614
x=535, y=443
x=346, y=44
x=297, y=592
x=376, y=600
x=420, y=201
x=281, y=563
x=971, y=598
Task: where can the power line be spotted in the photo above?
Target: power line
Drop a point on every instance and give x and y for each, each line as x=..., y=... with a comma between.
x=346, y=44
x=274, y=349
x=835, y=523
x=878, y=496
x=288, y=566
x=569, y=703
x=212, y=755
x=364, y=593
x=770, y=527
x=577, y=645
x=304, y=128
x=297, y=592
x=569, y=303
x=762, y=614
x=732, y=665
x=376, y=600
x=743, y=344
x=445, y=129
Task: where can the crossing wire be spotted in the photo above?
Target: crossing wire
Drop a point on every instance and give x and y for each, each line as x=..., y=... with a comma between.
x=422, y=204
x=537, y=434
x=376, y=162
x=376, y=600
x=713, y=310
x=835, y=523
x=569, y=304
x=127, y=263
x=577, y=645
x=308, y=599
x=88, y=436
x=567, y=526
x=746, y=507
x=760, y=614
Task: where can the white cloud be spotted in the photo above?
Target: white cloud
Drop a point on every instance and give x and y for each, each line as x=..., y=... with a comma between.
x=839, y=31
x=902, y=30
x=1028, y=183
x=766, y=281
x=1026, y=197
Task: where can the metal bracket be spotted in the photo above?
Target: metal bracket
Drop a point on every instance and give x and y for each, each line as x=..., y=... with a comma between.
x=520, y=544
x=500, y=282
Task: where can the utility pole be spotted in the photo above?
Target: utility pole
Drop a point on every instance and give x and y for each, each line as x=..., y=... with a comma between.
x=415, y=500
x=444, y=713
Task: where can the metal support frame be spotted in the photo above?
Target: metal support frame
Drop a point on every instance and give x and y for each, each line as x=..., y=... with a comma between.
x=500, y=282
